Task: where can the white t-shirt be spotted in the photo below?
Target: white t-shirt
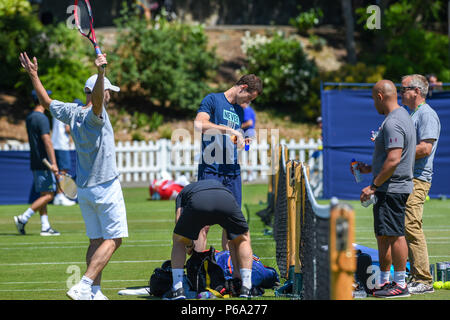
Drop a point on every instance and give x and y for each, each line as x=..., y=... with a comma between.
x=60, y=138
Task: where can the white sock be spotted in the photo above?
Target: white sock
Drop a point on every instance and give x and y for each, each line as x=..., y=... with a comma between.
x=384, y=277
x=246, y=277
x=44, y=222
x=86, y=283
x=26, y=215
x=399, y=278
x=177, y=277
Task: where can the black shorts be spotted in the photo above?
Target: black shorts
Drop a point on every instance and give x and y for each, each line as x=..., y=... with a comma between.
x=389, y=214
x=209, y=207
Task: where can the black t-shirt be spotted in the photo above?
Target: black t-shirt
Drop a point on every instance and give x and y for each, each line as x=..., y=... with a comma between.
x=37, y=125
x=187, y=192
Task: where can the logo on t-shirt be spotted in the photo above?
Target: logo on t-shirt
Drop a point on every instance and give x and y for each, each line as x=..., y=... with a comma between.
x=232, y=119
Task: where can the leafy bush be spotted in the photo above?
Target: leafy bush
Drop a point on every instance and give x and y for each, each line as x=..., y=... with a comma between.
x=358, y=73
x=408, y=46
x=286, y=72
x=306, y=19
x=64, y=60
x=167, y=61
x=17, y=27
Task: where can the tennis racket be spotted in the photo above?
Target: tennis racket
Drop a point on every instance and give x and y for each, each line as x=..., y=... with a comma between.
x=84, y=21
x=64, y=182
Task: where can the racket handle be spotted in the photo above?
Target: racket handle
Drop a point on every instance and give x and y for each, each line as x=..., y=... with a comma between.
x=47, y=164
x=99, y=52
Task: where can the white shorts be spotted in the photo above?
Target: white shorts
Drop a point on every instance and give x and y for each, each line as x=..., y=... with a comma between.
x=103, y=210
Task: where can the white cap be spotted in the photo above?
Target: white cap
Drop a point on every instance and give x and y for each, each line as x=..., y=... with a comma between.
x=90, y=83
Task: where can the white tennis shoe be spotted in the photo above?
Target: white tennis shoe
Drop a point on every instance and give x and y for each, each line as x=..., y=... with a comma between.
x=79, y=293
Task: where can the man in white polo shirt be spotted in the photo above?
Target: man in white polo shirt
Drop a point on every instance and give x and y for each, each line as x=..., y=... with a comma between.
x=99, y=191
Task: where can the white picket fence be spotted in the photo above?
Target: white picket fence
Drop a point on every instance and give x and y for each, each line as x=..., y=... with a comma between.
x=142, y=162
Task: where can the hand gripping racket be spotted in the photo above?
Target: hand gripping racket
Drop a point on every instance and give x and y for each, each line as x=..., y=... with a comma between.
x=85, y=22
x=64, y=182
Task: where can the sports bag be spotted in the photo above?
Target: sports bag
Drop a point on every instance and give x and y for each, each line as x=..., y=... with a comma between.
x=203, y=272
x=161, y=279
x=262, y=276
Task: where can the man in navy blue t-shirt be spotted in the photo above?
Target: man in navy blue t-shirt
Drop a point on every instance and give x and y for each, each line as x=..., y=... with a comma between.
x=38, y=129
x=220, y=118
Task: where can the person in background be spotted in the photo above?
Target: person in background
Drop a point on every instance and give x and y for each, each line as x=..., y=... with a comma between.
x=434, y=84
x=248, y=125
x=414, y=91
x=61, y=144
x=392, y=168
x=41, y=147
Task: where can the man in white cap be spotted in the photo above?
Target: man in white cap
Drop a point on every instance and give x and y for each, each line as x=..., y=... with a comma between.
x=99, y=191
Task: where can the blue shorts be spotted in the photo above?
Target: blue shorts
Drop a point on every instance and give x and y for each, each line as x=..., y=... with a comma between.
x=63, y=160
x=44, y=181
x=232, y=183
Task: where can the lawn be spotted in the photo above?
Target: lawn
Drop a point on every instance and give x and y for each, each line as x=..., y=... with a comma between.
x=42, y=268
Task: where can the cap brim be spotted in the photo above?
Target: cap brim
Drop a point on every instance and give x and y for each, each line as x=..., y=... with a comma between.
x=113, y=88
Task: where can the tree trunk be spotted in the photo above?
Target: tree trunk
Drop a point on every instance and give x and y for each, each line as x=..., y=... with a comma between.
x=347, y=12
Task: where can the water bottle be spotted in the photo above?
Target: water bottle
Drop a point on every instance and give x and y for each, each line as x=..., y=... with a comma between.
x=356, y=171
x=372, y=200
x=205, y=295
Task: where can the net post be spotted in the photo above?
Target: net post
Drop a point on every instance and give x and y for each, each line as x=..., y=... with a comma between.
x=342, y=253
x=299, y=209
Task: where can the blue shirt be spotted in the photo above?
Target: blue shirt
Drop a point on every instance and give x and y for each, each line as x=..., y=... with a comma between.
x=37, y=125
x=249, y=114
x=219, y=153
x=93, y=137
x=427, y=126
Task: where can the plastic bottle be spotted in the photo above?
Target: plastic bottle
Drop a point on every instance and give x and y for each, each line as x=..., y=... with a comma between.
x=373, y=199
x=356, y=171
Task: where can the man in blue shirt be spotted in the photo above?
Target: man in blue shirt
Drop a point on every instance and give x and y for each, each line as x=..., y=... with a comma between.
x=249, y=121
x=99, y=191
x=41, y=147
x=220, y=118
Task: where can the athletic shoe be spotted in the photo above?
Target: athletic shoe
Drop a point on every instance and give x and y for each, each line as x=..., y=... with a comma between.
x=78, y=293
x=245, y=293
x=392, y=291
x=62, y=200
x=49, y=232
x=99, y=296
x=20, y=225
x=419, y=288
x=175, y=295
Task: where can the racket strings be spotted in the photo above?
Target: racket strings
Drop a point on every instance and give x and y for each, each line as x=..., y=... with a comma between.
x=68, y=186
x=84, y=19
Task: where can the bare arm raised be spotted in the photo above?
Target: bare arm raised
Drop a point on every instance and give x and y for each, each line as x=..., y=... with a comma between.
x=31, y=67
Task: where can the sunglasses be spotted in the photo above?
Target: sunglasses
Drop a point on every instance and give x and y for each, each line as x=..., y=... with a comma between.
x=404, y=89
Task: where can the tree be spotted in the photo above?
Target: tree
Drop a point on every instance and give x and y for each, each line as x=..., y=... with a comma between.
x=347, y=13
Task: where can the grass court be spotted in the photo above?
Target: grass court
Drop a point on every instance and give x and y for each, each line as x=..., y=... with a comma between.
x=33, y=267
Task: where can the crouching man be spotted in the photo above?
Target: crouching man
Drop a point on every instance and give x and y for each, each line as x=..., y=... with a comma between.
x=203, y=203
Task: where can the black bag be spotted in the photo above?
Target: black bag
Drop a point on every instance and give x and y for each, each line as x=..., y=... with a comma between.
x=363, y=262
x=161, y=280
x=204, y=272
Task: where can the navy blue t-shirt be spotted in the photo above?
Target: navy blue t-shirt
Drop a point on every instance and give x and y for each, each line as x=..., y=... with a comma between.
x=37, y=125
x=219, y=153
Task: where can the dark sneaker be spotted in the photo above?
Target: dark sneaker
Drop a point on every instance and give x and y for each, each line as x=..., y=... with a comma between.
x=20, y=225
x=245, y=293
x=392, y=291
x=175, y=295
x=50, y=232
x=419, y=288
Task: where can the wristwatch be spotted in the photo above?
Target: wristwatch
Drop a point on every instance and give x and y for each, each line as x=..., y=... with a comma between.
x=373, y=186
